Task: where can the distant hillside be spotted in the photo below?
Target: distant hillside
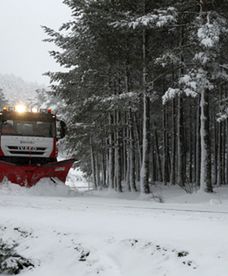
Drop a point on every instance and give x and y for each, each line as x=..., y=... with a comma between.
x=16, y=89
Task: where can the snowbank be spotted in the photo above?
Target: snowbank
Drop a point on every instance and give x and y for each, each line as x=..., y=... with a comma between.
x=44, y=187
x=75, y=182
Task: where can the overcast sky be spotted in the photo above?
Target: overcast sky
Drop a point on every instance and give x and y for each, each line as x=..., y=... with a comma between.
x=22, y=51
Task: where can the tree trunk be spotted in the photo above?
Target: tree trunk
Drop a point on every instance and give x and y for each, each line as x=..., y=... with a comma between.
x=173, y=156
x=224, y=154
x=160, y=176
x=180, y=141
x=131, y=154
x=226, y=151
x=198, y=144
x=111, y=154
x=165, y=148
x=190, y=145
x=93, y=164
x=144, y=172
x=205, y=172
x=118, y=169
x=215, y=150
x=104, y=169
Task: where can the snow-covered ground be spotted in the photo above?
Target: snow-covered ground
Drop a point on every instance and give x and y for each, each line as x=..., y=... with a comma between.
x=62, y=232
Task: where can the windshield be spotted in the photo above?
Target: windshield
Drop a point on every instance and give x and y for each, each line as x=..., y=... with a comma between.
x=28, y=128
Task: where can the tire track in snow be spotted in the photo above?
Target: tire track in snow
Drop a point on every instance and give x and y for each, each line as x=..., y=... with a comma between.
x=176, y=210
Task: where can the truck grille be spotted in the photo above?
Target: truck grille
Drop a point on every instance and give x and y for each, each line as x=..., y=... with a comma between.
x=26, y=150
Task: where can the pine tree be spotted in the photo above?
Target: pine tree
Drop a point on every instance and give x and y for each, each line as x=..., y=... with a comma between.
x=122, y=56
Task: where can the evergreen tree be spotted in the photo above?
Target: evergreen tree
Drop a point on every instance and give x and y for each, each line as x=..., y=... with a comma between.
x=122, y=56
x=3, y=100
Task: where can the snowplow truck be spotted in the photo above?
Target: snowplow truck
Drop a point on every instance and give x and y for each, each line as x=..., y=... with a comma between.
x=28, y=147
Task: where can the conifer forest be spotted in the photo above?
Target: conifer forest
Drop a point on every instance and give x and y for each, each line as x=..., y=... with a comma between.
x=145, y=89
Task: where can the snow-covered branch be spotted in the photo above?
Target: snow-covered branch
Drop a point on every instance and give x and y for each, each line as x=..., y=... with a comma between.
x=156, y=19
x=211, y=31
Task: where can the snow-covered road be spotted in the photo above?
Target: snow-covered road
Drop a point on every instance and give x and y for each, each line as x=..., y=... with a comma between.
x=88, y=235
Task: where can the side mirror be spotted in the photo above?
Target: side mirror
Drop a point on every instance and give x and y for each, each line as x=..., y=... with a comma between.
x=60, y=129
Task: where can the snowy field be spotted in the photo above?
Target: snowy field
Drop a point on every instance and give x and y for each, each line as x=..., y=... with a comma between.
x=56, y=231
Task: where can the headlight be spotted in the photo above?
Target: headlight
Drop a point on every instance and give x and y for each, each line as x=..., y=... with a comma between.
x=34, y=109
x=20, y=108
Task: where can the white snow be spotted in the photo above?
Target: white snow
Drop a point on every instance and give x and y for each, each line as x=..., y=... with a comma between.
x=112, y=234
x=77, y=180
x=170, y=94
x=209, y=34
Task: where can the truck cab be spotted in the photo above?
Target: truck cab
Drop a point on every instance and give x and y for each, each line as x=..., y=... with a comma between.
x=29, y=137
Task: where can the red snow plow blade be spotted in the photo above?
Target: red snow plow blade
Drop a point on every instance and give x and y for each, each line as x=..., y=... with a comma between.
x=29, y=175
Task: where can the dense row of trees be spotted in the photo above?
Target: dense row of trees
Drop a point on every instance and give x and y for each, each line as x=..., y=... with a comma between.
x=146, y=91
x=3, y=101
